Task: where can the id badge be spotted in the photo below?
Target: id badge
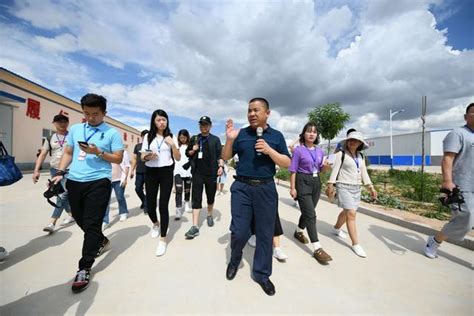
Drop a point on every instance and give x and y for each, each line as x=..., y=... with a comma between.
x=200, y=155
x=82, y=155
x=315, y=173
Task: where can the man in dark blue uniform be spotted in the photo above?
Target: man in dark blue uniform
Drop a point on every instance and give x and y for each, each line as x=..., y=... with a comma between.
x=253, y=194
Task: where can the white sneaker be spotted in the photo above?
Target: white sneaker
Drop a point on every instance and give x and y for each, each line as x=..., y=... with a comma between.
x=359, y=250
x=104, y=226
x=68, y=220
x=431, y=248
x=252, y=241
x=179, y=213
x=123, y=217
x=339, y=233
x=49, y=228
x=155, y=231
x=161, y=249
x=279, y=254
x=187, y=207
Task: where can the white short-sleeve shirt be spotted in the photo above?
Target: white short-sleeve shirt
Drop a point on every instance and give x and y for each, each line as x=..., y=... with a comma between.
x=159, y=146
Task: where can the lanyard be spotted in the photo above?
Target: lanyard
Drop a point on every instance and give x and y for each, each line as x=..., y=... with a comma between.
x=159, y=144
x=90, y=136
x=61, y=143
x=356, y=160
x=312, y=157
x=202, y=141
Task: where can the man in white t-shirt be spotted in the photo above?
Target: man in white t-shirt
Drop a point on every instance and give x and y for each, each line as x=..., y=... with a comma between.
x=54, y=146
x=457, y=167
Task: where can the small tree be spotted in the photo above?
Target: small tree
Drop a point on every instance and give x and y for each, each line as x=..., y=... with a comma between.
x=330, y=119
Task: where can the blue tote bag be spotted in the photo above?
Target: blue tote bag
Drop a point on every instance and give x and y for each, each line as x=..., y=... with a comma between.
x=9, y=172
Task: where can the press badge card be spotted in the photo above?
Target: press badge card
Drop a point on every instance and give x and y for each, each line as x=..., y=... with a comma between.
x=82, y=155
x=200, y=155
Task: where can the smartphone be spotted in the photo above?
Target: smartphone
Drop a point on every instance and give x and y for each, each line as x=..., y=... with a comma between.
x=83, y=144
x=144, y=151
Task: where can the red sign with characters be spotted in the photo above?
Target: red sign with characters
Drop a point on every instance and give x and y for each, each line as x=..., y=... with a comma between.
x=33, y=109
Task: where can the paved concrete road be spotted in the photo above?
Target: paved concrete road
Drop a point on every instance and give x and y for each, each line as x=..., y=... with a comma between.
x=395, y=278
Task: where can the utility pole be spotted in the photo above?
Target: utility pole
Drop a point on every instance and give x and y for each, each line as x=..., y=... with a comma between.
x=423, y=113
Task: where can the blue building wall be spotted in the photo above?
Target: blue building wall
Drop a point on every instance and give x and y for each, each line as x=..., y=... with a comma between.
x=400, y=160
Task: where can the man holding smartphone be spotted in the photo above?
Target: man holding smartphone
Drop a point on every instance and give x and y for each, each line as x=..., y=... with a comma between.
x=90, y=150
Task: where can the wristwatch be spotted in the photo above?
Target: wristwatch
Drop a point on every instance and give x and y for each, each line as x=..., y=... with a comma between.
x=100, y=154
x=61, y=172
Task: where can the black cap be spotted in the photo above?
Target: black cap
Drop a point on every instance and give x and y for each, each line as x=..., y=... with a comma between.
x=205, y=120
x=60, y=118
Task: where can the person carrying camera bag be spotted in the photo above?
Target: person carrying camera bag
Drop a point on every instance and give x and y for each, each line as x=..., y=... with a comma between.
x=458, y=172
x=55, y=145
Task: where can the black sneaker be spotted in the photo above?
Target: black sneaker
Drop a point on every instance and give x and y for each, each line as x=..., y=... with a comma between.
x=210, y=221
x=81, y=282
x=104, y=247
x=192, y=232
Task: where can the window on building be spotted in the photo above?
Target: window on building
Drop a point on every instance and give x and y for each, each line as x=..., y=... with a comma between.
x=46, y=133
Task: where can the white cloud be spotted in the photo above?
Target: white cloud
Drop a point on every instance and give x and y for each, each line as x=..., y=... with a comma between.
x=63, y=43
x=26, y=57
x=217, y=55
x=335, y=22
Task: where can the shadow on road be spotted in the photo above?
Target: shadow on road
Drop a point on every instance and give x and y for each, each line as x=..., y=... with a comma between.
x=399, y=242
x=247, y=252
x=35, y=246
x=57, y=300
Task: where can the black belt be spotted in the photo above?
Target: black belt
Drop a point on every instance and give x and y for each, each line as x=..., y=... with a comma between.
x=253, y=182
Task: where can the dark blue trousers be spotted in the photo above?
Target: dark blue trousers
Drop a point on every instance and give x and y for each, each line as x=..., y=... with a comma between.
x=261, y=204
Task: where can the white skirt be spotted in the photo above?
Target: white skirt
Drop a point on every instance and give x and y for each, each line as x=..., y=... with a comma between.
x=348, y=196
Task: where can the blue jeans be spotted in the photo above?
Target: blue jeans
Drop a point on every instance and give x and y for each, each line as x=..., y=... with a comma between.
x=120, y=195
x=62, y=200
x=259, y=203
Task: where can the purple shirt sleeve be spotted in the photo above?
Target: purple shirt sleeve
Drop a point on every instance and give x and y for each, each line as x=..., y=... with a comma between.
x=295, y=160
x=319, y=158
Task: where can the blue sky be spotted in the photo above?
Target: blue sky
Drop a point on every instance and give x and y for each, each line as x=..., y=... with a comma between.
x=209, y=58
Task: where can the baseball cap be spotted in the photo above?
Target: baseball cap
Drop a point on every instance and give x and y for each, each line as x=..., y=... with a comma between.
x=60, y=117
x=205, y=120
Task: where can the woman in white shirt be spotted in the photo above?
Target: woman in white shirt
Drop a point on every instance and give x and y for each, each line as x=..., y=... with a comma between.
x=159, y=152
x=182, y=175
x=348, y=174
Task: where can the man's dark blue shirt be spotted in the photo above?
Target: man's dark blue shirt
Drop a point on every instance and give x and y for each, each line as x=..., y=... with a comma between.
x=250, y=164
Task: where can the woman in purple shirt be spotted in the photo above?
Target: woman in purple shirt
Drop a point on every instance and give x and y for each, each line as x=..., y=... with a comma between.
x=306, y=164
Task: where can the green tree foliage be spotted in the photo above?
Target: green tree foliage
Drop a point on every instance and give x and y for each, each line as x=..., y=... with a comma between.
x=330, y=119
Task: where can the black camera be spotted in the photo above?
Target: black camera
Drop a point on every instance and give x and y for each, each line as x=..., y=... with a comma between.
x=451, y=197
x=52, y=191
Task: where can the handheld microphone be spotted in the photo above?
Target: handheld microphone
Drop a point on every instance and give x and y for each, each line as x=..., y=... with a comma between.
x=259, y=136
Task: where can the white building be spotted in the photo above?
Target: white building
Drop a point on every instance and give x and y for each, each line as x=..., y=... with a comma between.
x=26, y=114
x=407, y=149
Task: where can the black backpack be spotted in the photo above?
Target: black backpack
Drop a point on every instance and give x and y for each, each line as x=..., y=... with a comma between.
x=48, y=139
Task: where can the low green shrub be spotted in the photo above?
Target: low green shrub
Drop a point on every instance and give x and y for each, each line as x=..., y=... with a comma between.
x=283, y=174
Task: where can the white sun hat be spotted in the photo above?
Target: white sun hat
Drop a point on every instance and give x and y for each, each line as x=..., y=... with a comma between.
x=358, y=136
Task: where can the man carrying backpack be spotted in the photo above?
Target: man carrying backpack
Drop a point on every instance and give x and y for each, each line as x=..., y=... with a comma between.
x=54, y=146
